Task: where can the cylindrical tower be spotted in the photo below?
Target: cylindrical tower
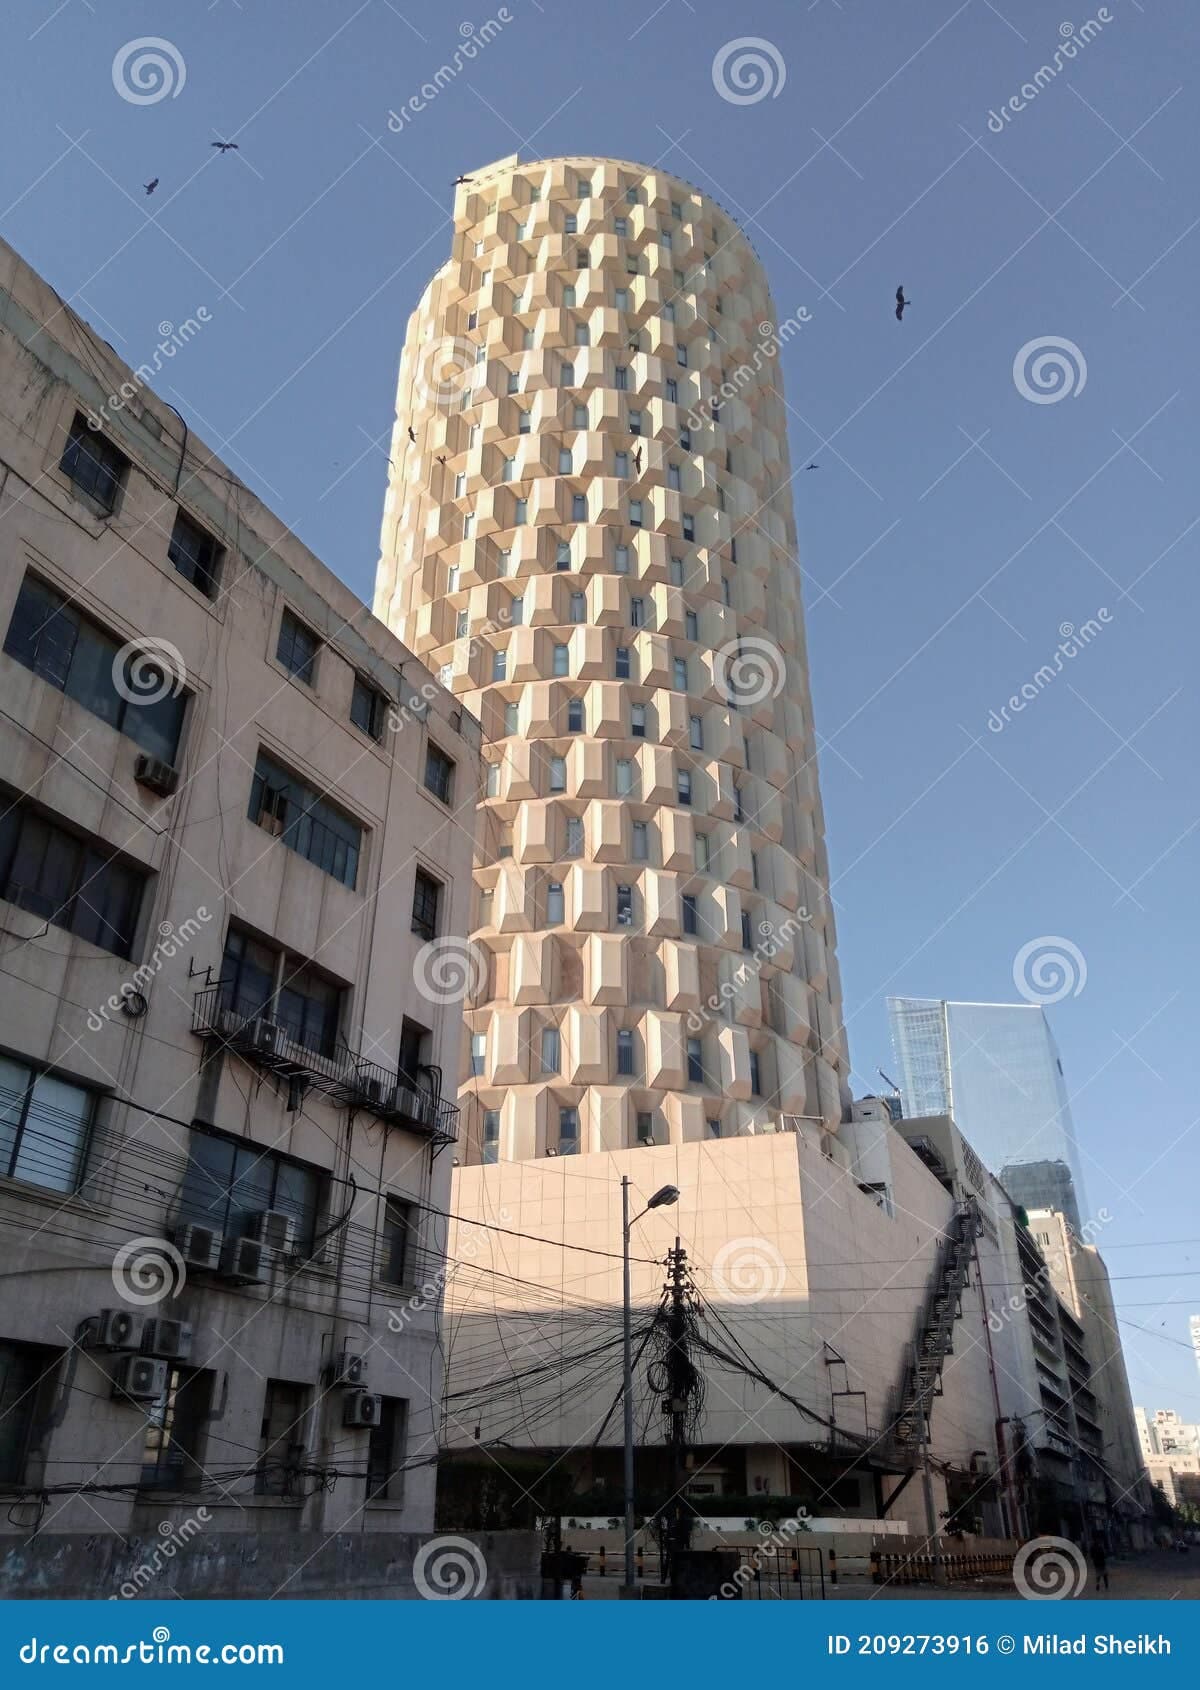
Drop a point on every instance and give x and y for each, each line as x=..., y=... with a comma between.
x=589, y=535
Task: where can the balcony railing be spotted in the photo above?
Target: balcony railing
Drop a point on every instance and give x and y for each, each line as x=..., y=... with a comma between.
x=349, y=1080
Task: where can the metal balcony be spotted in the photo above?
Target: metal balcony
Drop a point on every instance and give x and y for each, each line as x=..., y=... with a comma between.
x=348, y=1080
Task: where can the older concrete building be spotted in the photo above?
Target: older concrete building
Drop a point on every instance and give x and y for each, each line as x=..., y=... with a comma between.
x=237, y=812
x=589, y=535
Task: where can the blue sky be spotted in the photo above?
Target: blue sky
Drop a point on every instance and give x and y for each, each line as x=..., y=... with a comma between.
x=954, y=527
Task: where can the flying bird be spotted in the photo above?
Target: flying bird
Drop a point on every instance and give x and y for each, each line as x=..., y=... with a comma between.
x=225, y=146
x=150, y=186
x=441, y=461
x=807, y=467
x=901, y=302
x=637, y=460
x=459, y=180
x=411, y=435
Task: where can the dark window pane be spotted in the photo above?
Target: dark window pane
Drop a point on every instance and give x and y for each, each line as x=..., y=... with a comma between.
x=51, y=873
x=25, y=1371
x=439, y=773
x=297, y=648
x=426, y=896
x=398, y=1244
x=306, y=822
x=194, y=554
x=367, y=708
x=173, y=1447
x=281, y=1438
x=42, y=632
x=385, y=1452
x=93, y=463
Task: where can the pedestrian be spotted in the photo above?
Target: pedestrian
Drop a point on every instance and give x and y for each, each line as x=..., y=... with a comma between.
x=1100, y=1563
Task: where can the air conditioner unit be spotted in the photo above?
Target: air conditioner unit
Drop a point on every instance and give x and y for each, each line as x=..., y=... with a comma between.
x=200, y=1246
x=361, y=1408
x=160, y=777
x=171, y=1338
x=118, y=1329
x=349, y=1369
x=273, y=1227
x=372, y=1089
x=230, y=1023
x=268, y=1035
x=246, y=1261
x=140, y=1378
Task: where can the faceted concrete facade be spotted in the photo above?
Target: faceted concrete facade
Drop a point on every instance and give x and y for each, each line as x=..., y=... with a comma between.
x=589, y=536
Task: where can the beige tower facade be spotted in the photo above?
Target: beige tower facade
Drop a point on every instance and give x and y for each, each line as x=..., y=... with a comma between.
x=588, y=535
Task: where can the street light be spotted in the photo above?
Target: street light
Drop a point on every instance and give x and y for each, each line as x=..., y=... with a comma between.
x=662, y=1198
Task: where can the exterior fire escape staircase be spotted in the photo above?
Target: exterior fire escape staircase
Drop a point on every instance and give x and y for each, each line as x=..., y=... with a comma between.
x=921, y=1381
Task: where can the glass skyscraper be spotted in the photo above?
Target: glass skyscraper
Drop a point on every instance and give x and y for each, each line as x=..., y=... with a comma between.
x=995, y=1067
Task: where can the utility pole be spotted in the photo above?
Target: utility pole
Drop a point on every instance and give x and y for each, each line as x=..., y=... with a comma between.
x=681, y=1383
x=627, y=1394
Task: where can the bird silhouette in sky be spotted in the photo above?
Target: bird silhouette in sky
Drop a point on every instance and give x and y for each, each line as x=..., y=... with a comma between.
x=460, y=180
x=807, y=467
x=225, y=146
x=150, y=186
x=411, y=435
x=901, y=302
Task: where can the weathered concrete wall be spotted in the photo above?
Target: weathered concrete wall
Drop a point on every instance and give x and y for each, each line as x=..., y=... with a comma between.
x=499, y=1566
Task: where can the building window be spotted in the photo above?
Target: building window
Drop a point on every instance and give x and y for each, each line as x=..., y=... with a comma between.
x=492, y=780
x=194, y=554
x=427, y=894
x=621, y=299
x=461, y=623
x=524, y=422
x=554, y=904
x=564, y=460
x=635, y=513
x=507, y=469
x=93, y=464
x=568, y=1132
x=68, y=650
x=695, y=1062
x=583, y=188
x=681, y=674
x=578, y=607
x=562, y=555
x=513, y=384
x=624, y=777
x=747, y=932
x=228, y=1181
x=551, y=1051
x=754, y=870
x=581, y=335
x=624, y=1052
x=689, y=526
x=439, y=773
x=579, y=416
x=672, y=391
x=641, y=842
x=637, y=612
x=45, y=1123
x=516, y=610
x=739, y=809
x=386, y=1446
x=561, y=664
x=297, y=648
x=726, y=591
x=621, y=227
x=621, y=378
x=468, y=525
x=683, y=788
x=696, y=733
x=67, y=881
x=26, y=1381
x=499, y=665
x=755, y=1075
x=668, y=312
x=367, y=708
x=574, y=845
x=676, y=571
x=645, y=1127
x=579, y=510
x=304, y=820
x=258, y=979
x=575, y=716
x=489, y=1149
x=510, y=718
x=685, y=439
x=621, y=664
x=281, y=1443
x=673, y=477
x=702, y=852
x=688, y=906
x=681, y=356
x=624, y=906
x=621, y=560
x=733, y=557
x=173, y=1447
x=637, y=721
x=566, y=375
x=677, y=211
x=558, y=774
x=621, y=465
x=568, y=296
x=398, y=1242
x=714, y=1127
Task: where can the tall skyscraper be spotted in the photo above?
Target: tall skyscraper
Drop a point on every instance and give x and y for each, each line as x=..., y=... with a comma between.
x=589, y=535
x=995, y=1067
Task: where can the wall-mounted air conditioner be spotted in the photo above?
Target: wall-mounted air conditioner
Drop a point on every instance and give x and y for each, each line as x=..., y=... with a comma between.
x=268, y=1035
x=140, y=1379
x=117, y=1329
x=246, y=1261
x=349, y=1369
x=273, y=1227
x=361, y=1408
x=200, y=1246
x=170, y=1338
x=160, y=777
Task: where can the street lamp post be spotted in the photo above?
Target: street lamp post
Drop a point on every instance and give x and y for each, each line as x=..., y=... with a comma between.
x=666, y=1195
